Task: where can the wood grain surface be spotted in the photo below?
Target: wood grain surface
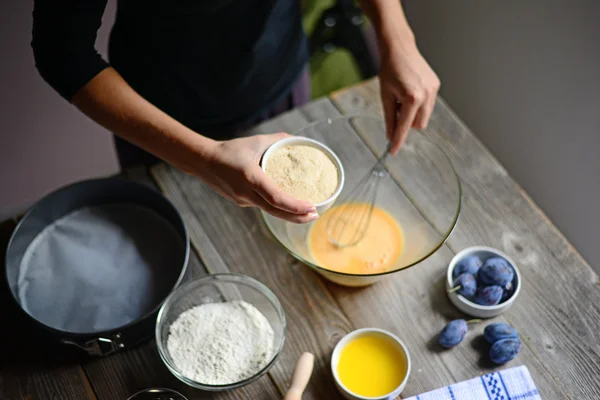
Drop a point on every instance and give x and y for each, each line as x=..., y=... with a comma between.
x=231, y=239
x=413, y=303
x=397, y=303
x=558, y=311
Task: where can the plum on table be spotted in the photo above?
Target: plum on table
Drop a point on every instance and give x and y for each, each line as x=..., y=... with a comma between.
x=505, y=350
x=454, y=332
x=498, y=331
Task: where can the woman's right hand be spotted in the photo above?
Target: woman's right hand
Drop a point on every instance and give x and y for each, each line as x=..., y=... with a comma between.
x=232, y=169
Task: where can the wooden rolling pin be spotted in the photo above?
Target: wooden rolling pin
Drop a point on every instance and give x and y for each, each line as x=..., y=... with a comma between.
x=301, y=376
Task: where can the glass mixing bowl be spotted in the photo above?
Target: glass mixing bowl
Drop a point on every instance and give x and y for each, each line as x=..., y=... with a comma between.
x=215, y=289
x=422, y=193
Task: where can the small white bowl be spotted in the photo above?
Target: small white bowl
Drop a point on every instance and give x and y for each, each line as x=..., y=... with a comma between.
x=467, y=306
x=335, y=358
x=298, y=140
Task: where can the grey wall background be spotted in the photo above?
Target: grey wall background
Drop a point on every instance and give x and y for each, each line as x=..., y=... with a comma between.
x=524, y=75
x=44, y=141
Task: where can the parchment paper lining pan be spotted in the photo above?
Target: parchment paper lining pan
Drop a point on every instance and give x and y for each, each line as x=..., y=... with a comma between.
x=92, y=262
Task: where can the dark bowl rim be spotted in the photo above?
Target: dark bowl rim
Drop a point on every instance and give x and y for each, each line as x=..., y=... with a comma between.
x=123, y=328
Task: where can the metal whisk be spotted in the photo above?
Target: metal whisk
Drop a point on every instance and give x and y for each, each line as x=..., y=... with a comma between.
x=347, y=223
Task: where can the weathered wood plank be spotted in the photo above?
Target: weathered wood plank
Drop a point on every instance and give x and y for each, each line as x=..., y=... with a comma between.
x=44, y=382
x=314, y=321
x=558, y=312
x=229, y=238
x=398, y=303
x=365, y=307
x=25, y=371
x=121, y=375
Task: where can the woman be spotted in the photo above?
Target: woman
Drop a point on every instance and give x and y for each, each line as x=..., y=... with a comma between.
x=184, y=77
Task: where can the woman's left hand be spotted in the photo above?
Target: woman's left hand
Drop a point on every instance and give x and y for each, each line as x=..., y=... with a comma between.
x=409, y=88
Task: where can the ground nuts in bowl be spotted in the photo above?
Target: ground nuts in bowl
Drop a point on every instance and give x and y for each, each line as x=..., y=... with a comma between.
x=305, y=169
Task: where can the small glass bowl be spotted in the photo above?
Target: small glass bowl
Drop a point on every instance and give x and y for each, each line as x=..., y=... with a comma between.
x=219, y=288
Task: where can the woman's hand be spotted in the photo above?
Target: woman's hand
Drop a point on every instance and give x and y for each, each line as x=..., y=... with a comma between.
x=232, y=169
x=409, y=88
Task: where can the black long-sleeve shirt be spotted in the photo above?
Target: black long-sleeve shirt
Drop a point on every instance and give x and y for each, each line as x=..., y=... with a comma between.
x=208, y=63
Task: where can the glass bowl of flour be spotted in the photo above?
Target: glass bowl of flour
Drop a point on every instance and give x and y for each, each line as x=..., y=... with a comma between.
x=220, y=331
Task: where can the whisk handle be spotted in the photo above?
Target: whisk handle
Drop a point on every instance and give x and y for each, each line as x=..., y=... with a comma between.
x=386, y=153
x=379, y=167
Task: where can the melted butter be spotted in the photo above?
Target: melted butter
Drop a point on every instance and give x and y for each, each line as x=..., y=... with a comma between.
x=371, y=366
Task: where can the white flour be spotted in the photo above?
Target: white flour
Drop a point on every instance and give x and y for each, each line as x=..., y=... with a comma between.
x=220, y=343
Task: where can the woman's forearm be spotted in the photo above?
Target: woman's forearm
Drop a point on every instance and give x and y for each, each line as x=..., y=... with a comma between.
x=389, y=21
x=111, y=102
x=408, y=85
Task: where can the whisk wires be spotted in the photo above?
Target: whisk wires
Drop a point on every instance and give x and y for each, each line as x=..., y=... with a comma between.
x=348, y=222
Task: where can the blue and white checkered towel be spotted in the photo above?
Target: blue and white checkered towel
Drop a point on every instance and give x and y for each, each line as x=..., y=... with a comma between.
x=509, y=384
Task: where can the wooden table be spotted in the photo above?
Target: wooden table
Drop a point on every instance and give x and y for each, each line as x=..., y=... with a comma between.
x=557, y=313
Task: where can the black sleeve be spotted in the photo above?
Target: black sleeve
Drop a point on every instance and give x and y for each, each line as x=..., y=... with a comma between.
x=64, y=36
